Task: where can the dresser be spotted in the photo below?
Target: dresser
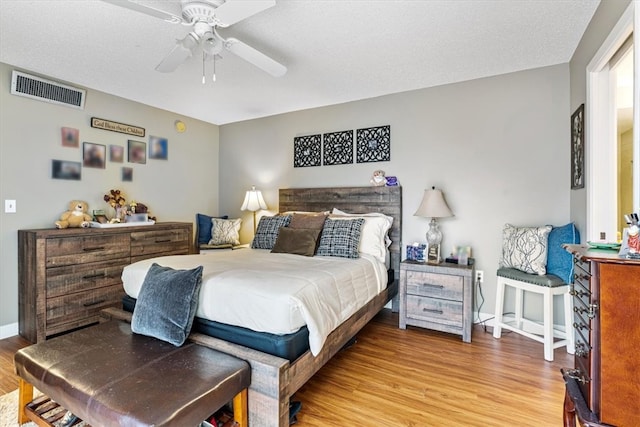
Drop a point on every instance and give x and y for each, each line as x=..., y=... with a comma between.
x=437, y=296
x=602, y=388
x=66, y=277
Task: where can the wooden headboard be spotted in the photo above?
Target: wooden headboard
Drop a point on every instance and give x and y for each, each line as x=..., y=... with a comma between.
x=386, y=200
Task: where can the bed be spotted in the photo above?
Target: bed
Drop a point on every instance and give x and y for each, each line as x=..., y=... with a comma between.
x=277, y=376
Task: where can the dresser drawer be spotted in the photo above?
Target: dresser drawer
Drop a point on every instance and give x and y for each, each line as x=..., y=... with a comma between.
x=78, y=250
x=443, y=311
x=81, y=277
x=435, y=285
x=81, y=308
x=146, y=244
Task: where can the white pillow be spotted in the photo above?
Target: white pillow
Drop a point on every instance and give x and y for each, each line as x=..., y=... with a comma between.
x=374, y=239
x=525, y=248
x=225, y=231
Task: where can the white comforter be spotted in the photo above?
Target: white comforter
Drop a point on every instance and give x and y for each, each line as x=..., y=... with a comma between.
x=276, y=293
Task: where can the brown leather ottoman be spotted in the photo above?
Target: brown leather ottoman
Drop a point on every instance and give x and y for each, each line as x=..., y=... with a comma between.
x=109, y=376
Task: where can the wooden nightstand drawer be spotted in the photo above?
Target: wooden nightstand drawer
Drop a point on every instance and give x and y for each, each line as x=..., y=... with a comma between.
x=434, y=285
x=78, y=250
x=436, y=310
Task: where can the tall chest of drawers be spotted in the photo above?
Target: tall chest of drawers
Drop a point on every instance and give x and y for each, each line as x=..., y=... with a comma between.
x=603, y=387
x=66, y=277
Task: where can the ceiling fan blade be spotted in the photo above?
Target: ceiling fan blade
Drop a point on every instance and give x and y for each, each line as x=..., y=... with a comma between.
x=255, y=57
x=181, y=52
x=157, y=13
x=232, y=11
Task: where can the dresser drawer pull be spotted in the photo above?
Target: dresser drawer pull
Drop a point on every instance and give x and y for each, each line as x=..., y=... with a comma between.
x=580, y=326
x=591, y=310
x=89, y=304
x=577, y=375
x=579, y=293
x=163, y=241
x=94, y=276
x=581, y=350
x=431, y=310
x=99, y=248
x=581, y=277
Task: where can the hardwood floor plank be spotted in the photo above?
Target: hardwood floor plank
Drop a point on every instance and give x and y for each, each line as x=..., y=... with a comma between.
x=417, y=377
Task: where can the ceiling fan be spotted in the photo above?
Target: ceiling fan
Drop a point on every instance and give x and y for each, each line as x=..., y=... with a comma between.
x=204, y=16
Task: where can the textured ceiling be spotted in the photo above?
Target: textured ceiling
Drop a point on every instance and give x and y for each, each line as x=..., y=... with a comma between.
x=335, y=50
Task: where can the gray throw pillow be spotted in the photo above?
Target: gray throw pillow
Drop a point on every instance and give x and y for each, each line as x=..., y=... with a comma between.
x=167, y=303
x=340, y=238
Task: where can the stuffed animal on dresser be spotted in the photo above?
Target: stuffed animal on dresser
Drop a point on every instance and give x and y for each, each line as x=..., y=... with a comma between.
x=76, y=216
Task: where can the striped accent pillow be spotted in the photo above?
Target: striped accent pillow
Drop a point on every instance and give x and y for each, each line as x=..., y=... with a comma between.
x=340, y=238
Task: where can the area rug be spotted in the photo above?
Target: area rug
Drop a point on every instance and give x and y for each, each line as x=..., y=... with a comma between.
x=9, y=410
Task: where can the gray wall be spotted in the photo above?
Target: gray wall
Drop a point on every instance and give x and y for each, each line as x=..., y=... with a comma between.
x=603, y=21
x=173, y=189
x=498, y=147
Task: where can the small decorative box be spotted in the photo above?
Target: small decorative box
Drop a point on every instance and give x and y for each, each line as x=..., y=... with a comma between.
x=416, y=252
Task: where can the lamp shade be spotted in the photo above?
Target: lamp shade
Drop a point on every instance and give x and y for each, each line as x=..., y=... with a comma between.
x=433, y=205
x=253, y=200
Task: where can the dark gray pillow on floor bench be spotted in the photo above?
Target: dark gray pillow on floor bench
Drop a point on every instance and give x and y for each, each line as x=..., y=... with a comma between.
x=167, y=303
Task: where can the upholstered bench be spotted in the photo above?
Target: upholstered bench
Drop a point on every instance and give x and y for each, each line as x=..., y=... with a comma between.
x=108, y=376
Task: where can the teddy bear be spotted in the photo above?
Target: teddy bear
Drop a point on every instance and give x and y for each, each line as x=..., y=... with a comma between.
x=76, y=216
x=378, y=179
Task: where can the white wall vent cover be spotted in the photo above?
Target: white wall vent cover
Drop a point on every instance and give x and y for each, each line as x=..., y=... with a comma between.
x=46, y=90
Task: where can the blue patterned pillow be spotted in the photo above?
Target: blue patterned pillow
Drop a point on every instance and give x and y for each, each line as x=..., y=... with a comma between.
x=267, y=231
x=559, y=261
x=167, y=303
x=340, y=238
x=525, y=248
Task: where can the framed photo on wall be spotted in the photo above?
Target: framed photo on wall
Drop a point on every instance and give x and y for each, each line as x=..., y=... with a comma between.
x=577, y=148
x=137, y=152
x=94, y=155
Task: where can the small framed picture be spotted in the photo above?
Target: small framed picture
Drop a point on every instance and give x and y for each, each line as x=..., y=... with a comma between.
x=127, y=174
x=577, y=148
x=137, y=152
x=94, y=155
x=63, y=169
x=158, y=148
x=70, y=137
x=116, y=153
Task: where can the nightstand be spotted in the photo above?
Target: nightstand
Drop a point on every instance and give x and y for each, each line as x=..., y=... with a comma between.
x=437, y=296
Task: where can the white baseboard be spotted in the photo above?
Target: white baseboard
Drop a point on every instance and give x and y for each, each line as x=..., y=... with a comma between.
x=9, y=330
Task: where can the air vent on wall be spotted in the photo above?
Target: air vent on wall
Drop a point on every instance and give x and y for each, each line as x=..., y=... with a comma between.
x=46, y=90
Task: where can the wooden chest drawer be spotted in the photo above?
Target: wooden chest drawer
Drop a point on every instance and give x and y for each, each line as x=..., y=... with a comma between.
x=80, y=308
x=77, y=250
x=146, y=244
x=434, y=285
x=442, y=311
x=81, y=277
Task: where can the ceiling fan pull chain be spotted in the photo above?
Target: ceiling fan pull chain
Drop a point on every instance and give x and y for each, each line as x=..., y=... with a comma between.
x=214, y=68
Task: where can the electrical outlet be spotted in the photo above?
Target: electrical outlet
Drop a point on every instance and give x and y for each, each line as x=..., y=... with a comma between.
x=479, y=276
x=9, y=206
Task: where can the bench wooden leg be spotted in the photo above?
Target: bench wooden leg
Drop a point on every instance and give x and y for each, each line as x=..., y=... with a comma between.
x=240, y=409
x=25, y=396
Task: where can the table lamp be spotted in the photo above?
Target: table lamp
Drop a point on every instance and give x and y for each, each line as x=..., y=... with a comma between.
x=253, y=201
x=433, y=206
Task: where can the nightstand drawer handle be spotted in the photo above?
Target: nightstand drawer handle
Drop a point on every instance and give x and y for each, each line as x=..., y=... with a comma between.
x=431, y=310
x=99, y=248
x=163, y=241
x=433, y=286
x=93, y=276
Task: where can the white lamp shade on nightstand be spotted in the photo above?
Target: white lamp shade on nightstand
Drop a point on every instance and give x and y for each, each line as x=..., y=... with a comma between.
x=433, y=206
x=253, y=201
